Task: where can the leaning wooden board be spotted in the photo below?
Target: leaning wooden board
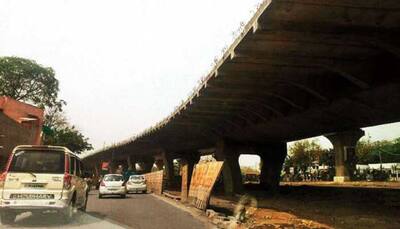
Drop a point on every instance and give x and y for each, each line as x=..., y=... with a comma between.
x=154, y=182
x=203, y=179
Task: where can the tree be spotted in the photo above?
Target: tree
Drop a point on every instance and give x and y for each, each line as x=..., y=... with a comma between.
x=378, y=152
x=69, y=137
x=327, y=158
x=363, y=151
x=25, y=80
x=54, y=118
x=62, y=134
x=303, y=154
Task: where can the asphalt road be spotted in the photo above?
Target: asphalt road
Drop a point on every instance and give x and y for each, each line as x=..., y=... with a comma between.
x=141, y=211
x=138, y=211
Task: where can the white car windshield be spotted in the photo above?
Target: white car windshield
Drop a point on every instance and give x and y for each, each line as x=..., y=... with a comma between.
x=136, y=178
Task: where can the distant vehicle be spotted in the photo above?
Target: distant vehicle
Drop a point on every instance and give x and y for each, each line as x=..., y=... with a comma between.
x=40, y=178
x=112, y=184
x=136, y=183
x=251, y=177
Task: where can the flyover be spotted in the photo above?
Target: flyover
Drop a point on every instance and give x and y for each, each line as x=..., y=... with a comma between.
x=300, y=68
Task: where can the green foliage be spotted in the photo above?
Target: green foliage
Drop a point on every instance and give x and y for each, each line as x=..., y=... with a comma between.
x=54, y=118
x=303, y=154
x=62, y=134
x=25, y=80
x=327, y=157
x=379, y=151
x=69, y=137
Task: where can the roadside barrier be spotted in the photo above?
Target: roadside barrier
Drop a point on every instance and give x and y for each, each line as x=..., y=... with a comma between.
x=154, y=182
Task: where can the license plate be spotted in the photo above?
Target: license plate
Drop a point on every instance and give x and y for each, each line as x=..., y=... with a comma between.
x=112, y=189
x=34, y=185
x=31, y=196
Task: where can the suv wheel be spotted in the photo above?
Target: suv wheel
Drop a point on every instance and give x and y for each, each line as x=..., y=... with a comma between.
x=100, y=196
x=123, y=196
x=8, y=217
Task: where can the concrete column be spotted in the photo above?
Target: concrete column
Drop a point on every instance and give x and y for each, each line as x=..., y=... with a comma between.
x=272, y=158
x=159, y=164
x=168, y=162
x=131, y=163
x=112, y=166
x=147, y=165
x=344, y=144
x=227, y=152
x=97, y=169
x=141, y=166
x=112, y=163
x=124, y=164
x=188, y=160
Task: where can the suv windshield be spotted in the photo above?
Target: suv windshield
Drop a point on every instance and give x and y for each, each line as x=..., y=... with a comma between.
x=113, y=178
x=38, y=161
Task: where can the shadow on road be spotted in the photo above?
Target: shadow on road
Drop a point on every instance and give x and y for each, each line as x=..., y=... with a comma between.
x=55, y=220
x=115, y=197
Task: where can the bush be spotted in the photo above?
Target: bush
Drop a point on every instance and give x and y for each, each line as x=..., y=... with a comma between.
x=380, y=175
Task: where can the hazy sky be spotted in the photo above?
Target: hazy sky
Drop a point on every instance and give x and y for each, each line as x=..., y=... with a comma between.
x=124, y=65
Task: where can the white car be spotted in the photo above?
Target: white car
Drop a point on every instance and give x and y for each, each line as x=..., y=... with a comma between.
x=136, y=183
x=112, y=184
x=40, y=178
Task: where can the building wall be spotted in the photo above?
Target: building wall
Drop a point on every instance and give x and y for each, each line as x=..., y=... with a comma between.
x=27, y=115
x=20, y=124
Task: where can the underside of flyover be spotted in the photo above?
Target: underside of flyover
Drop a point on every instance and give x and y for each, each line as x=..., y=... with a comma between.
x=300, y=68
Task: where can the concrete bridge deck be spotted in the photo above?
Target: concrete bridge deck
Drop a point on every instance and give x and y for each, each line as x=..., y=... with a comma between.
x=300, y=68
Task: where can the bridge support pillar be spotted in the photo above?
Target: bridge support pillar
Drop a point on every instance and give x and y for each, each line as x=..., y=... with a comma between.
x=159, y=164
x=112, y=166
x=344, y=144
x=168, y=162
x=272, y=158
x=147, y=165
x=120, y=166
x=131, y=163
x=190, y=160
x=231, y=173
x=97, y=168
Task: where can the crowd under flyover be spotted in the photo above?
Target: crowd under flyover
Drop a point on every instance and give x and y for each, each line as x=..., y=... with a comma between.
x=300, y=68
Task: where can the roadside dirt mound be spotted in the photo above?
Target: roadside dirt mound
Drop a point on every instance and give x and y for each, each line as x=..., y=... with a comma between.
x=259, y=218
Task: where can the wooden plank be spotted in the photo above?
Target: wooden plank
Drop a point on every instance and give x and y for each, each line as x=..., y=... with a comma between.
x=203, y=179
x=154, y=182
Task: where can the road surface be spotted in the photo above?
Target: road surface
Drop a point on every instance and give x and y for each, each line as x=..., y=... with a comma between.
x=138, y=211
